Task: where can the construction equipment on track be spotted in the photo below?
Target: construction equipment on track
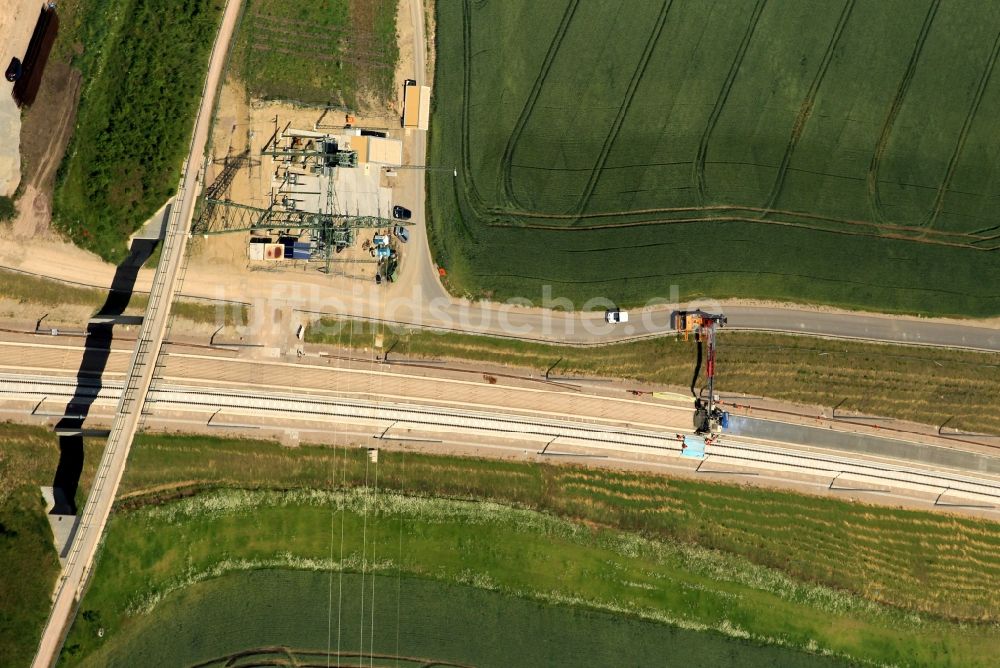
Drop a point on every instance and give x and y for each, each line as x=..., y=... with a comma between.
x=709, y=419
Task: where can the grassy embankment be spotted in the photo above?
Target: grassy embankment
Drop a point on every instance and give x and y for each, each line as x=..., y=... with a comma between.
x=143, y=64
x=904, y=382
x=752, y=556
x=28, y=458
x=908, y=559
x=342, y=52
x=728, y=153
x=913, y=561
x=151, y=552
x=28, y=289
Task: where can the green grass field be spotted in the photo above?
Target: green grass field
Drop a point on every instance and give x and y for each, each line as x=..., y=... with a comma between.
x=143, y=65
x=288, y=609
x=920, y=562
x=903, y=382
x=830, y=152
x=28, y=458
x=30, y=568
x=151, y=552
x=774, y=547
x=342, y=52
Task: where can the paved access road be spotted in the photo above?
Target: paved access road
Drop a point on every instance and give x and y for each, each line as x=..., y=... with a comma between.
x=869, y=327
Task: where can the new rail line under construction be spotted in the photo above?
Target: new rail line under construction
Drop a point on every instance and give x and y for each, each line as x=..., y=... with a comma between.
x=779, y=459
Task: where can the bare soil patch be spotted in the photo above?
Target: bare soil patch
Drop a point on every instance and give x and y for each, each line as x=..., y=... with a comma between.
x=45, y=133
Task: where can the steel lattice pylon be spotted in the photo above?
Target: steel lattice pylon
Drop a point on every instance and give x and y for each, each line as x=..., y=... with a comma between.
x=229, y=217
x=219, y=188
x=329, y=231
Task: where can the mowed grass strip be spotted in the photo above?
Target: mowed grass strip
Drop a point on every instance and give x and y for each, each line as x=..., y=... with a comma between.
x=904, y=382
x=757, y=149
x=143, y=65
x=887, y=555
x=342, y=52
x=28, y=289
x=154, y=550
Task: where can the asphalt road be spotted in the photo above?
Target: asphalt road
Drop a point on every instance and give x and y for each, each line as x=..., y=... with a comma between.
x=915, y=331
x=586, y=328
x=418, y=266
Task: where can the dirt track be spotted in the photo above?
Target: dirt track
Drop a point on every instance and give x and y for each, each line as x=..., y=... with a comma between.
x=45, y=134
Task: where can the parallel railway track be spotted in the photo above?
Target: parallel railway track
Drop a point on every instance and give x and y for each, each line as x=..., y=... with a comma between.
x=273, y=408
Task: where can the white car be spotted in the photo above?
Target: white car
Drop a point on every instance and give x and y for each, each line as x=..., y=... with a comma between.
x=615, y=316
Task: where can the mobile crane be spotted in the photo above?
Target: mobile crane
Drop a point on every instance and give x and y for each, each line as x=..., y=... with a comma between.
x=709, y=419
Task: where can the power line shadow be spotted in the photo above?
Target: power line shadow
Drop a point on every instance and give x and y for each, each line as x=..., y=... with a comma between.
x=940, y=504
x=853, y=489
x=722, y=471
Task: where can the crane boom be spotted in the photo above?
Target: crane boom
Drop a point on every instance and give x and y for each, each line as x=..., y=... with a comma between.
x=708, y=418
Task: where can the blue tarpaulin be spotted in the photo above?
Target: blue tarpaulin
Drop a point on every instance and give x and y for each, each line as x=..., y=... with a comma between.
x=301, y=250
x=297, y=250
x=694, y=447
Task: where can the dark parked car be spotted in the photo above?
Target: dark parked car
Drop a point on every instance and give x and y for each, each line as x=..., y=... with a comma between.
x=401, y=233
x=401, y=212
x=13, y=70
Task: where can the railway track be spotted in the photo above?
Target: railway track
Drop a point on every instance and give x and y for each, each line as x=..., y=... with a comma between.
x=276, y=409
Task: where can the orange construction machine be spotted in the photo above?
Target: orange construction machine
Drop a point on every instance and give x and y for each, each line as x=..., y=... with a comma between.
x=709, y=419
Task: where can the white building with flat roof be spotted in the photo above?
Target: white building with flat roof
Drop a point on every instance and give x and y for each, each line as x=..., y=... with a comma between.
x=378, y=150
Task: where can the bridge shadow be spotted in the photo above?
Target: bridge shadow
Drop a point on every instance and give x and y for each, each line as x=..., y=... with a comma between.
x=97, y=350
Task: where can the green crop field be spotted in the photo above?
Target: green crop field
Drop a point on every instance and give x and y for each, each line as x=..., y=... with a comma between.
x=863, y=580
x=151, y=552
x=342, y=52
x=143, y=65
x=286, y=612
x=915, y=561
x=831, y=152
